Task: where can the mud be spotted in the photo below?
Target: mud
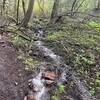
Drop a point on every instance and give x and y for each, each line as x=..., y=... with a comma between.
x=13, y=77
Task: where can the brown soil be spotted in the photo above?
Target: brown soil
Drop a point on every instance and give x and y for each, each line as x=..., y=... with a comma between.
x=13, y=77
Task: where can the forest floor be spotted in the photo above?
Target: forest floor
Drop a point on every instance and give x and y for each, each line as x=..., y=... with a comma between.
x=77, y=43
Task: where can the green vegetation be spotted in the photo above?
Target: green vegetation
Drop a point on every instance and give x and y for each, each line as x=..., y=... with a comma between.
x=70, y=28
x=82, y=48
x=54, y=98
x=59, y=90
x=19, y=41
x=94, y=24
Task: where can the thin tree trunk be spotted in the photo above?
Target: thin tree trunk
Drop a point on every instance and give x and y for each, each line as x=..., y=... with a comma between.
x=41, y=6
x=55, y=11
x=23, y=5
x=98, y=6
x=79, y=6
x=4, y=2
x=15, y=7
x=28, y=14
x=73, y=5
x=18, y=11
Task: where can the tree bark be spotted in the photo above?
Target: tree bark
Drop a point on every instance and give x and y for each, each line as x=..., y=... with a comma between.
x=28, y=14
x=17, y=18
x=55, y=11
x=23, y=5
x=15, y=7
x=4, y=2
x=73, y=5
x=98, y=6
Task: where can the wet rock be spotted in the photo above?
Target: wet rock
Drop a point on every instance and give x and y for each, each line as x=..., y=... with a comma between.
x=36, y=88
x=48, y=82
x=51, y=75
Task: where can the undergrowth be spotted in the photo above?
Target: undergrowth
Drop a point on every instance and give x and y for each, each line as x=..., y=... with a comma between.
x=23, y=46
x=80, y=46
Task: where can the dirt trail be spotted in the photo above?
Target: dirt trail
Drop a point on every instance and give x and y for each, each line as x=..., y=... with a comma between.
x=13, y=78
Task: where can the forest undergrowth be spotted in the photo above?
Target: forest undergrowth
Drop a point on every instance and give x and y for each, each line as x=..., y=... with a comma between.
x=79, y=45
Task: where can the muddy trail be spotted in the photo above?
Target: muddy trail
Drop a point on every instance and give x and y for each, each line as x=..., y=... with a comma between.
x=17, y=84
x=13, y=77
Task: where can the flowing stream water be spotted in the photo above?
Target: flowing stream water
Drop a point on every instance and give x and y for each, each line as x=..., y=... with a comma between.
x=38, y=81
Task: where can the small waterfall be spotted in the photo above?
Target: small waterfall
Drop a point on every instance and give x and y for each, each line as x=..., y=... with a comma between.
x=39, y=83
x=37, y=90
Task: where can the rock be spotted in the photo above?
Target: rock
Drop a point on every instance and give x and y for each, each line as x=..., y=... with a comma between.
x=20, y=75
x=25, y=98
x=36, y=88
x=48, y=82
x=16, y=83
x=51, y=75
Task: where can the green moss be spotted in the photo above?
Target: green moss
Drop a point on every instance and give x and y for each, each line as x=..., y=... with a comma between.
x=94, y=24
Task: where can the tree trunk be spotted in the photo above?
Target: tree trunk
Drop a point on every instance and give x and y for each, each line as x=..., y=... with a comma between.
x=15, y=7
x=28, y=14
x=17, y=18
x=98, y=6
x=55, y=11
x=4, y=2
x=23, y=5
x=73, y=5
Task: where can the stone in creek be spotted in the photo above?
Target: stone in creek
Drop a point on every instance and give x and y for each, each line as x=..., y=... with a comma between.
x=51, y=75
x=36, y=88
x=49, y=82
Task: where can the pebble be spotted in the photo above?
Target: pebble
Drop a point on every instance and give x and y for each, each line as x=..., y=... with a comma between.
x=16, y=83
x=36, y=88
